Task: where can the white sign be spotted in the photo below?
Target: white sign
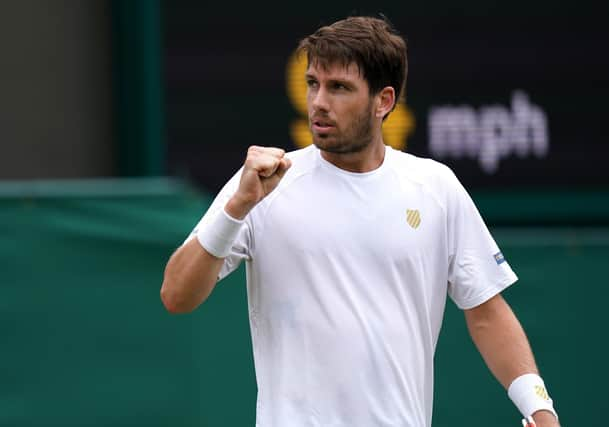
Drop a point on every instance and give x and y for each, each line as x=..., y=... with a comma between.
x=489, y=134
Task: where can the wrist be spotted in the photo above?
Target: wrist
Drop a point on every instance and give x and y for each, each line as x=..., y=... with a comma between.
x=218, y=235
x=238, y=208
x=529, y=394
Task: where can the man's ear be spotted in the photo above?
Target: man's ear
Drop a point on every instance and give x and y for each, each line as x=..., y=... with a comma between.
x=385, y=101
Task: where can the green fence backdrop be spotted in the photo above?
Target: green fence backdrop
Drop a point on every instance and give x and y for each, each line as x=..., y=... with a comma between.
x=86, y=341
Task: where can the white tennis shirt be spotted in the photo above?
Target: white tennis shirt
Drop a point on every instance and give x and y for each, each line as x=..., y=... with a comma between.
x=347, y=277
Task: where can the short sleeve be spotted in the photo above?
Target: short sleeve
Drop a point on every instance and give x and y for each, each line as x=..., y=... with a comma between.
x=241, y=248
x=477, y=268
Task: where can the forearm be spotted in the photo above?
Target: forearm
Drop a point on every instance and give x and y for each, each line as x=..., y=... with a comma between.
x=505, y=348
x=190, y=276
x=501, y=341
x=192, y=271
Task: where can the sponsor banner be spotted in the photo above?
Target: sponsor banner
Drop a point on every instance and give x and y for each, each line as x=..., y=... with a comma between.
x=506, y=100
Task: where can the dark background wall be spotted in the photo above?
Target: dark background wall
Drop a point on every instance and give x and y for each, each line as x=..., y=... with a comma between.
x=56, y=89
x=471, y=63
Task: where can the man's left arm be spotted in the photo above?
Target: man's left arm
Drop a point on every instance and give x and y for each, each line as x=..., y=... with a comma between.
x=501, y=341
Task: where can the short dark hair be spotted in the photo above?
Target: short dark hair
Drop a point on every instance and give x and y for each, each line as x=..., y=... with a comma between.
x=373, y=44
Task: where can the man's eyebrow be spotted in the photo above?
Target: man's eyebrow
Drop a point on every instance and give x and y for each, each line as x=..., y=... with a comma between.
x=343, y=82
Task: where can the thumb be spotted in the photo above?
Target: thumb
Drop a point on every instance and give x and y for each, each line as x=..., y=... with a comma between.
x=283, y=167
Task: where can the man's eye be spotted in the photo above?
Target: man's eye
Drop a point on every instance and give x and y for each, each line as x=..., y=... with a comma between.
x=311, y=83
x=339, y=86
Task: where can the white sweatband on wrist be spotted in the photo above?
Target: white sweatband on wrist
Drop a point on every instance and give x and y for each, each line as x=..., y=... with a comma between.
x=529, y=394
x=219, y=234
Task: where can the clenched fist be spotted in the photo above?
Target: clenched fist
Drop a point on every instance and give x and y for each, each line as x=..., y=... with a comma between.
x=263, y=169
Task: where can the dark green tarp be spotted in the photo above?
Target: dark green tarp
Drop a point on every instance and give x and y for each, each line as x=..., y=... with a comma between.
x=86, y=341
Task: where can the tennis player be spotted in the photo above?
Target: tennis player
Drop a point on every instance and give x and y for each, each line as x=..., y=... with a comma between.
x=351, y=249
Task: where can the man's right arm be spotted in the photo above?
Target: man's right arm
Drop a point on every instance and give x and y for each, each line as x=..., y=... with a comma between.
x=192, y=271
x=190, y=276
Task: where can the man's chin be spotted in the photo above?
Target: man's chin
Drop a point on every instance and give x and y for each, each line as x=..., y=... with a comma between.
x=330, y=145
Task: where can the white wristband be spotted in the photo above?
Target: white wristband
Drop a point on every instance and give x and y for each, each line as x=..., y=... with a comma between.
x=219, y=234
x=529, y=394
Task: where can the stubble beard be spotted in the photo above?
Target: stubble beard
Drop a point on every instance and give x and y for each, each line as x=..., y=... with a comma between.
x=357, y=137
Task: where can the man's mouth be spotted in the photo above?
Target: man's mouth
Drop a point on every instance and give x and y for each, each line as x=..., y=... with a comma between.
x=322, y=125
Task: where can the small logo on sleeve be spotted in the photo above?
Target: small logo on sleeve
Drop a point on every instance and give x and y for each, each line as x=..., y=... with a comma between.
x=499, y=258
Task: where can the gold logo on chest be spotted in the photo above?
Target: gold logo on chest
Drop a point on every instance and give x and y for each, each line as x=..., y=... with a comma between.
x=413, y=218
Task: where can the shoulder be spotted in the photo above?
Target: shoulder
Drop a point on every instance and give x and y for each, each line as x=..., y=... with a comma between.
x=429, y=173
x=433, y=178
x=303, y=161
x=302, y=158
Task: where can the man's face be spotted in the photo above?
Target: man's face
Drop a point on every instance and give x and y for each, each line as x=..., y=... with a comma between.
x=340, y=108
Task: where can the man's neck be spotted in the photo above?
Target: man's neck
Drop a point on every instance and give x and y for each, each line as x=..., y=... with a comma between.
x=366, y=160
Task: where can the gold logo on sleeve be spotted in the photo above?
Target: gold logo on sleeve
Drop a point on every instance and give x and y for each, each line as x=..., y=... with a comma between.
x=413, y=218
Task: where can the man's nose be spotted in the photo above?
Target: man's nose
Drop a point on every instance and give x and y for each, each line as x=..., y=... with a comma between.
x=319, y=101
